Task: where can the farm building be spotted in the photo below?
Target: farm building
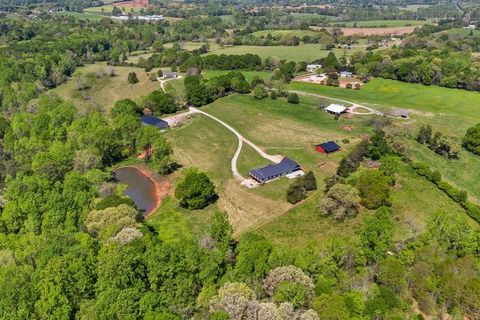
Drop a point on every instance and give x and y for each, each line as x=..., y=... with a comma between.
x=274, y=171
x=336, y=109
x=327, y=147
x=154, y=121
x=313, y=67
x=169, y=75
x=401, y=113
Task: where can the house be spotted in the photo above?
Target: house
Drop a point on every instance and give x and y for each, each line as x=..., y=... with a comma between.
x=327, y=147
x=274, y=171
x=336, y=109
x=345, y=74
x=154, y=121
x=313, y=67
x=470, y=26
x=170, y=75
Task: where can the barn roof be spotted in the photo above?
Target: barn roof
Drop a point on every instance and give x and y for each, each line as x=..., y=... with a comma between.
x=329, y=146
x=274, y=170
x=154, y=121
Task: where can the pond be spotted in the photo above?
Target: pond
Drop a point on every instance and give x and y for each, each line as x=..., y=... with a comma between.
x=140, y=188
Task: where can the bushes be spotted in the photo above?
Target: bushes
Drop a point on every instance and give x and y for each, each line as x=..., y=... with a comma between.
x=457, y=195
x=293, y=98
x=471, y=140
x=442, y=145
x=297, y=191
x=132, y=78
x=351, y=161
x=160, y=102
x=342, y=201
x=374, y=188
x=260, y=92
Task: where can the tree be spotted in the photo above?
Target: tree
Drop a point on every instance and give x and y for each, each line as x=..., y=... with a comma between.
x=296, y=192
x=132, y=78
x=232, y=298
x=391, y=273
x=342, y=201
x=309, y=181
x=160, y=102
x=221, y=230
x=260, y=92
x=293, y=98
x=330, y=307
x=377, y=234
x=195, y=191
x=471, y=140
x=374, y=189
x=161, y=155
x=124, y=106
x=107, y=222
x=425, y=134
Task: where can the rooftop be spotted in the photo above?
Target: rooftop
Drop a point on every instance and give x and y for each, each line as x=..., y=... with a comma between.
x=154, y=121
x=335, y=108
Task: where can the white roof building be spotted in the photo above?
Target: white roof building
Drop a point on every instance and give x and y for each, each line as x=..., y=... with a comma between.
x=335, y=108
x=313, y=67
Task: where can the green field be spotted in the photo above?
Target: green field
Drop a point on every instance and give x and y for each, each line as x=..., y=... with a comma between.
x=249, y=75
x=459, y=32
x=383, y=23
x=102, y=93
x=450, y=111
x=108, y=9
x=298, y=33
x=303, y=52
x=79, y=15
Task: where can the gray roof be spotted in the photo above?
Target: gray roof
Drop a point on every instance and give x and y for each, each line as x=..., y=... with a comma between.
x=273, y=171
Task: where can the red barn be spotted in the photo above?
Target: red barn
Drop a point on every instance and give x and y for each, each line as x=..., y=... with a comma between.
x=327, y=147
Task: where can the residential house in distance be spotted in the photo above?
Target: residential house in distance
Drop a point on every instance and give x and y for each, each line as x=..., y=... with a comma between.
x=346, y=74
x=150, y=120
x=271, y=172
x=313, y=67
x=169, y=75
x=336, y=109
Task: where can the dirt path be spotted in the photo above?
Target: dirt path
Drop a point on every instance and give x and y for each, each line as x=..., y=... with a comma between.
x=352, y=108
x=162, y=81
x=241, y=139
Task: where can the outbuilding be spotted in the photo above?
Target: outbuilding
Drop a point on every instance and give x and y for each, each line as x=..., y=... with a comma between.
x=336, y=109
x=274, y=171
x=170, y=75
x=327, y=147
x=346, y=74
x=154, y=121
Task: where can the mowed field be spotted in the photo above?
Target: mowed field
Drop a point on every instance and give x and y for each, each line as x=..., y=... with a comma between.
x=384, y=23
x=380, y=31
x=303, y=52
x=101, y=93
x=449, y=111
x=298, y=33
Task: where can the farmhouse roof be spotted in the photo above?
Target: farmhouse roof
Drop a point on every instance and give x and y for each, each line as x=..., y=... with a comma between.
x=269, y=172
x=154, y=121
x=170, y=74
x=329, y=146
x=335, y=108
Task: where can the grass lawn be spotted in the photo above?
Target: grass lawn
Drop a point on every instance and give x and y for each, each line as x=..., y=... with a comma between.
x=303, y=52
x=249, y=75
x=383, y=23
x=102, y=93
x=79, y=15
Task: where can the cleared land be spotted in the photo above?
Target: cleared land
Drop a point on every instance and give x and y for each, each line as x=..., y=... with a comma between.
x=459, y=32
x=449, y=111
x=384, y=23
x=396, y=31
x=303, y=52
x=101, y=93
x=298, y=33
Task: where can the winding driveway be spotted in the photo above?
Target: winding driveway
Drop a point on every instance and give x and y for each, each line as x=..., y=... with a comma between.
x=241, y=139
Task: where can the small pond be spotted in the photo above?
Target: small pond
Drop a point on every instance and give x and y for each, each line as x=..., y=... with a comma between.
x=140, y=188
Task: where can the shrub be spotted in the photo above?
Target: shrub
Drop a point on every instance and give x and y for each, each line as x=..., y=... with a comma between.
x=473, y=210
x=260, y=92
x=152, y=76
x=374, y=189
x=195, y=191
x=471, y=140
x=293, y=98
x=273, y=94
x=309, y=181
x=349, y=86
x=132, y=78
x=296, y=192
x=342, y=201
x=113, y=201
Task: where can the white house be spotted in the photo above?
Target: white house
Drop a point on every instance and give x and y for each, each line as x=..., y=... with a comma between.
x=346, y=74
x=169, y=75
x=335, y=109
x=313, y=67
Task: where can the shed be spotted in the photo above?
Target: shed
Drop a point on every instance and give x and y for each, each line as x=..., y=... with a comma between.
x=274, y=171
x=335, y=108
x=401, y=113
x=327, y=147
x=154, y=121
x=346, y=74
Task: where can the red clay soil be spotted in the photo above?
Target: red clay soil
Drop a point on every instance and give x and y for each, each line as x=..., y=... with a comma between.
x=163, y=187
x=133, y=3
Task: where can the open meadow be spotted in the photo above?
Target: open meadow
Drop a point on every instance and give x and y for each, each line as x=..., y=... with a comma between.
x=383, y=23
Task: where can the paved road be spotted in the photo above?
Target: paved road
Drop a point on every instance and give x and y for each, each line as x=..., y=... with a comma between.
x=241, y=139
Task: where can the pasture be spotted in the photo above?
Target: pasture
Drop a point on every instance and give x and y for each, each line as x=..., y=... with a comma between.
x=303, y=52
x=382, y=23
x=298, y=33
x=101, y=93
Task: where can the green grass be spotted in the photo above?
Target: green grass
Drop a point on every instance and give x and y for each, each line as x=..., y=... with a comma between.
x=102, y=92
x=108, y=9
x=171, y=222
x=78, y=15
x=459, y=32
x=249, y=75
x=383, y=23
x=303, y=52
x=298, y=33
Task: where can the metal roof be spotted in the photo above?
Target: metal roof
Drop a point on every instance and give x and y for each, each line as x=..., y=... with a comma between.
x=335, y=108
x=154, y=121
x=329, y=146
x=272, y=171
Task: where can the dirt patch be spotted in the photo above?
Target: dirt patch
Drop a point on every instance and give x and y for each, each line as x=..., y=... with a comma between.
x=397, y=31
x=347, y=127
